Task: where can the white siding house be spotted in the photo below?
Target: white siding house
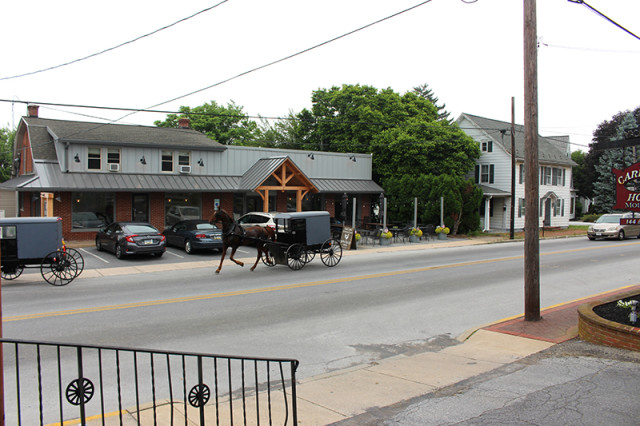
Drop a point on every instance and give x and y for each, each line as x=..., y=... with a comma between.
x=493, y=174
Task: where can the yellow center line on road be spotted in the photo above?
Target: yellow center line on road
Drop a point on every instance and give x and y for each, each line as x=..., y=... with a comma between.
x=278, y=288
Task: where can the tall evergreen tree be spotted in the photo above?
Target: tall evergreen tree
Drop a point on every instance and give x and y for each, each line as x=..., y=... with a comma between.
x=425, y=92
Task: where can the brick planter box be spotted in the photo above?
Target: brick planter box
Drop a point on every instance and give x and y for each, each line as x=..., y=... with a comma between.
x=595, y=329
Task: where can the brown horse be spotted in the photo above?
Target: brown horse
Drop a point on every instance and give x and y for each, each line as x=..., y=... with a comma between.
x=234, y=235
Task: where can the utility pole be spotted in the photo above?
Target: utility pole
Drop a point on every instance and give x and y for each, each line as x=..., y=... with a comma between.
x=513, y=169
x=531, y=221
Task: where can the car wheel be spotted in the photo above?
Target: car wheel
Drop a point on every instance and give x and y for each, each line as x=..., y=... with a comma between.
x=99, y=246
x=188, y=248
x=119, y=252
x=621, y=235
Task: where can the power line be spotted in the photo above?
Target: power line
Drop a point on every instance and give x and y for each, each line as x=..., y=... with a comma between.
x=134, y=111
x=597, y=12
x=277, y=61
x=114, y=47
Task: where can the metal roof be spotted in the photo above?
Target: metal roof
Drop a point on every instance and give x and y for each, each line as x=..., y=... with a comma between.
x=361, y=186
x=48, y=177
x=259, y=172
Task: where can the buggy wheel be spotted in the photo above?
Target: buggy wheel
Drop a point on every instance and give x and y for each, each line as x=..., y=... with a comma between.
x=58, y=268
x=78, y=258
x=331, y=252
x=267, y=257
x=296, y=255
x=12, y=272
x=310, y=255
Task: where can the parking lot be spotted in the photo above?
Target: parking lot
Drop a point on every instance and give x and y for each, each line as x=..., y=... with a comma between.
x=94, y=259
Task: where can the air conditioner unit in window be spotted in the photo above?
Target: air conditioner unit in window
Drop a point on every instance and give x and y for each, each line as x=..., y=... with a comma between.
x=114, y=167
x=185, y=169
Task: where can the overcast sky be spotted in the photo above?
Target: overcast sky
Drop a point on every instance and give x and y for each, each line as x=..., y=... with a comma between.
x=470, y=55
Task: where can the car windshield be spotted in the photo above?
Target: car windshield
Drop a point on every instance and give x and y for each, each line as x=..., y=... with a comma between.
x=204, y=226
x=140, y=229
x=608, y=219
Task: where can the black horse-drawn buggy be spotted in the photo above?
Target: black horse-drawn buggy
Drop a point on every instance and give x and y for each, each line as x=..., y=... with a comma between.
x=294, y=241
x=299, y=237
x=36, y=242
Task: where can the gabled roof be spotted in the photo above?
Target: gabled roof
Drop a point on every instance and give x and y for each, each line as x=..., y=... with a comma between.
x=264, y=168
x=42, y=131
x=551, y=149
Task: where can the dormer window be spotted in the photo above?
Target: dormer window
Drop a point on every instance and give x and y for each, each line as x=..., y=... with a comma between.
x=184, y=158
x=167, y=161
x=113, y=156
x=94, y=159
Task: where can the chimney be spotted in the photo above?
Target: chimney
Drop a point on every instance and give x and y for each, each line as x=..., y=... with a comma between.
x=32, y=110
x=184, y=123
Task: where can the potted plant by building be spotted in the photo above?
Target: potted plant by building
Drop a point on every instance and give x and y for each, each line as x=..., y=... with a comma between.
x=415, y=234
x=385, y=237
x=442, y=232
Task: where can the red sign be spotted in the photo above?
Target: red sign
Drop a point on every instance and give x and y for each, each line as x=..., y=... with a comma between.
x=628, y=188
x=630, y=221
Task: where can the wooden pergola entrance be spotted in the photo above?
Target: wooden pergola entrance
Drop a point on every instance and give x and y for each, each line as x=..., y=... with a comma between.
x=283, y=176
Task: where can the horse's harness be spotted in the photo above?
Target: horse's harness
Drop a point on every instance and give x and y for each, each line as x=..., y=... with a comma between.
x=232, y=231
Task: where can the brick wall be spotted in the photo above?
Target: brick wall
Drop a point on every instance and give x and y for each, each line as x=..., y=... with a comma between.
x=156, y=209
x=123, y=206
x=330, y=204
x=595, y=329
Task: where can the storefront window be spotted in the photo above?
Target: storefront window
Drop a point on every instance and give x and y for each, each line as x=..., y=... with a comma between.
x=183, y=206
x=91, y=211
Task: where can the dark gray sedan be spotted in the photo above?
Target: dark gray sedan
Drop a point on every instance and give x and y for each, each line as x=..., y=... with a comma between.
x=125, y=238
x=195, y=234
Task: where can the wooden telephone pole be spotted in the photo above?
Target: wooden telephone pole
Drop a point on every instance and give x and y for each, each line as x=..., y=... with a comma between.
x=531, y=223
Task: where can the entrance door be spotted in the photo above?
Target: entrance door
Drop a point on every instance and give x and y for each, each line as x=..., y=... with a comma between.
x=140, y=208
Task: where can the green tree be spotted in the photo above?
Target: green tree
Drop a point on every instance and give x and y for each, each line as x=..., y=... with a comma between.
x=461, y=200
x=424, y=91
x=604, y=188
x=7, y=138
x=402, y=132
x=606, y=131
x=227, y=125
x=578, y=172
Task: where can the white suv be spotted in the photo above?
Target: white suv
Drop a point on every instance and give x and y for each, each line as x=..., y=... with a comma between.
x=257, y=219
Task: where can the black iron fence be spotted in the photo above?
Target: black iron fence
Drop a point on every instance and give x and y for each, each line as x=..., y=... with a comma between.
x=52, y=383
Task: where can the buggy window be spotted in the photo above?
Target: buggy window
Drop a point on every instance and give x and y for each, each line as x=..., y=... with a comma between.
x=8, y=232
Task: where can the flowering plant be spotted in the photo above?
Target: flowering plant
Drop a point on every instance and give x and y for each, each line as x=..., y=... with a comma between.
x=444, y=230
x=385, y=233
x=416, y=231
x=630, y=304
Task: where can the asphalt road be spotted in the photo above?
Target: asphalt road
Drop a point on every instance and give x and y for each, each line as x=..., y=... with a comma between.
x=373, y=305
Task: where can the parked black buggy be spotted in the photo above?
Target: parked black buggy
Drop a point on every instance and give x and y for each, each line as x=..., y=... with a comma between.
x=36, y=242
x=299, y=237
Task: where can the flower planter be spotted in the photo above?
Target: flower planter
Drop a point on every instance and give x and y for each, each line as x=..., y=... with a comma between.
x=442, y=236
x=385, y=241
x=414, y=238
